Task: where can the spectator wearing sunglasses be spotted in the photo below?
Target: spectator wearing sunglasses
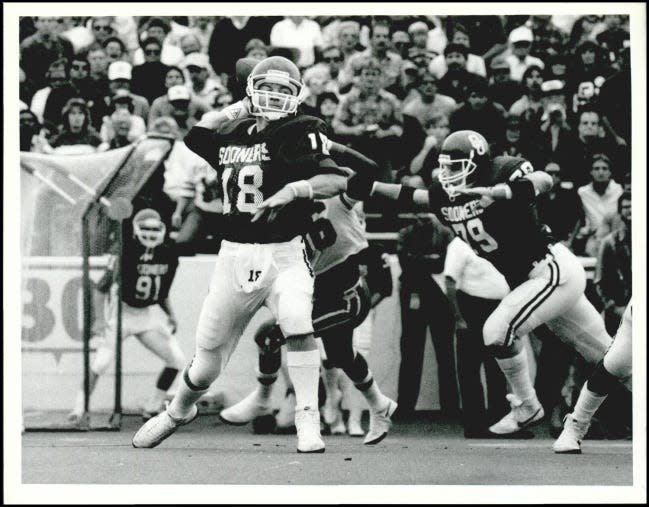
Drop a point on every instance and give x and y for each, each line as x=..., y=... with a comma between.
x=39, y=50
x=102, y=28
x=159, y=29
x=331, y=64
x=401, y=43
x=149, y=77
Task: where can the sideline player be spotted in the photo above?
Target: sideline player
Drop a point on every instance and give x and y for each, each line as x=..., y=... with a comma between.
x=490, y=204
x=614, y=368
x=149, y=264
x=342, y=302
x=261, y=262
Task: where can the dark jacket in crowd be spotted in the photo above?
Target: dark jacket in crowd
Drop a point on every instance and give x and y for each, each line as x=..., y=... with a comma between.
x=149, y=80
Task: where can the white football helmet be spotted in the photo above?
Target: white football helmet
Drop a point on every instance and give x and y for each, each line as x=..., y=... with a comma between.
x=274, y=105
x=149, y=228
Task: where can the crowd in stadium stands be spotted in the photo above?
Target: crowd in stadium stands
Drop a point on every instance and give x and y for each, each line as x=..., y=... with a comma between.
x=553, y=89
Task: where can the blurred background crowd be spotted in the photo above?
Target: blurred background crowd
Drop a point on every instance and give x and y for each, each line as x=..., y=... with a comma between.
x=553, y=89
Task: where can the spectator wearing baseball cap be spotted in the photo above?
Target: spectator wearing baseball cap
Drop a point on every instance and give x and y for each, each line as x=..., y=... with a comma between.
x=454, y=82
x=159, y=29
x=202, y=84
x=419, y=35
x=120, y=75
x=520, y=41
x=149, y=77
x=502, y=88
x=179, y=104
x=474, y=63
x=479, y=112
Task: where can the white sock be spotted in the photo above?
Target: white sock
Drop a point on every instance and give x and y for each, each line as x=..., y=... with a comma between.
x=304, y=370
x=517, y=372
x=587, y=404
x=373, y=394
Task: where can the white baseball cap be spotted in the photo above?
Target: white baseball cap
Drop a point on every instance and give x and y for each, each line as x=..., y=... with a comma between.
x=119, y=70
x=178, y=92
x=197, y=60
x=521, y=34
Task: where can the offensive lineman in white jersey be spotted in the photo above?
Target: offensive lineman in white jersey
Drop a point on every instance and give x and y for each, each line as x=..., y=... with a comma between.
x=614, y=368
x=341, y=303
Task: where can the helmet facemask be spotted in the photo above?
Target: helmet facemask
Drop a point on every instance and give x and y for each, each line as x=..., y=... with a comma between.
x=454, y=178
x=273, y=105
x=150, y=230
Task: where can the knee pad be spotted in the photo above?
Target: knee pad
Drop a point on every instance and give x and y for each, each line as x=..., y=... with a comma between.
x=205, y=367
x=619, y=369
x=270, y=350
x=602, y=381
x=494, y=331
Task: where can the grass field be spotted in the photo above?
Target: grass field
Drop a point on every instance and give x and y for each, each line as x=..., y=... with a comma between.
x=428, y=451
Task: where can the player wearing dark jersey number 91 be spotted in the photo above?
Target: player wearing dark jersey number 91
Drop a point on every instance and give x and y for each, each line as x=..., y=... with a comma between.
x=148, y=266
x=271, y=161
x=490, y=204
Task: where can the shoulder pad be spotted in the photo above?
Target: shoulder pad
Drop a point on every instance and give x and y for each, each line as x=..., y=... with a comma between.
x=237, y=126
x=505, y=168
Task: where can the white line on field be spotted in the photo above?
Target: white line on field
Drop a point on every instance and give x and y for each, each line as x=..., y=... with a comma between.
x=521, y=445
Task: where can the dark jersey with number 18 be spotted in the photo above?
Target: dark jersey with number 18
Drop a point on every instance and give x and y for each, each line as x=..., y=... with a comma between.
x=507, y=233
x=253, y=165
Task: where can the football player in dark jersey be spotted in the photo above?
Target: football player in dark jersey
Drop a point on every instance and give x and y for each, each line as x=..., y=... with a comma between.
x=489, y=203
x=342, y=302
x=149, y=264
x=262, y=261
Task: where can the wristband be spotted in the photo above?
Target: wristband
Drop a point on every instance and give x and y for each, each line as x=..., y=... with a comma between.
x=234, y=111
x=406, y=196
x=522, y=189
x=301, y=189
x=359, y=186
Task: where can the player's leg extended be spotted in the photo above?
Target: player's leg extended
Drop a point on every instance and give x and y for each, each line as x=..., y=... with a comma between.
x=614, y=368
x=291, y=301
x=554, y=287
x=269, y=340
x=224, y=316
x=164, y=345
x=340, y=351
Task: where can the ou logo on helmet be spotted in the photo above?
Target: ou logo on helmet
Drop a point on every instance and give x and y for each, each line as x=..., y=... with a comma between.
x=478, y=143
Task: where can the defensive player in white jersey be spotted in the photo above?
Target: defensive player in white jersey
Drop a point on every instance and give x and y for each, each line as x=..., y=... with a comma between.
x=490, y=204
x=262, y=260
x=342, y=302
x=614, y=368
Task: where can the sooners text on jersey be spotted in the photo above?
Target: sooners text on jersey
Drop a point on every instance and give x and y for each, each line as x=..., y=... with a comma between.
x=507, y=233
x=254, y=165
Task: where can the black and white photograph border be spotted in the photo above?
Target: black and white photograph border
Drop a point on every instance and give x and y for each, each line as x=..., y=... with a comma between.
x=161, y=485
